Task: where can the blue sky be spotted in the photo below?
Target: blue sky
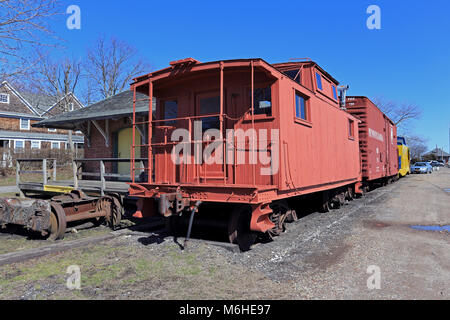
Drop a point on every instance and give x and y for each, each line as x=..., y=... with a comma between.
x=408, y=60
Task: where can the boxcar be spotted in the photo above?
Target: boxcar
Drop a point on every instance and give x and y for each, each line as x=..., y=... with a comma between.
x=404, y=157
x=378, y=142
x=277, y=133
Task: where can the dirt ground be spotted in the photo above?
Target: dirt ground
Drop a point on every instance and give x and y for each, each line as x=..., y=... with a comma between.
x=321, y=256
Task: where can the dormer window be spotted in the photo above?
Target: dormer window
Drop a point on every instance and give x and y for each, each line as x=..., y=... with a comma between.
x=71, y=107
x=4, y=98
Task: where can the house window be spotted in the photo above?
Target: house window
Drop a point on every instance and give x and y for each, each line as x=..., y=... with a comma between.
x=51, y=130
x=24, y=124
x=55, y=145
x=334, y=92
x=4, y=98
x=35, y=144
x=351, y=130
x=71, y=106
x=19, y=144
x=263, y=101
x=170, y=111
x=300, y=107
x=319, y=81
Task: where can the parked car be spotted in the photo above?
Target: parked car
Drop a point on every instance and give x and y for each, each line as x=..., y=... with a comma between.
x=435, y=165
x=440, y=163
x=421, y=167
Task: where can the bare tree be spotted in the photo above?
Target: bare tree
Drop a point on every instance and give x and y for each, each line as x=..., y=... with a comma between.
x=417, y=146
x=57, y=79
x=23, y=28
x=111, y=65
x=400, y=113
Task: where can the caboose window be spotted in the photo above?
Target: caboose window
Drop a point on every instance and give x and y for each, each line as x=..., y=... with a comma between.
x=300, y=107
x=334, y=92
x=170, y=111
x=319, y=81
x=263, y=101
x=294, y=75
x=351, y=131
x=210, y=105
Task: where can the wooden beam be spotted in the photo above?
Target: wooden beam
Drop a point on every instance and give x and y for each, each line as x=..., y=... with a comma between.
x=104, y=133
x=88, y=135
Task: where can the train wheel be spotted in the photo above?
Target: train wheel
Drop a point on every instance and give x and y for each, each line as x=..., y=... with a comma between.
x=114, y=211
x=282, y=214
x=57, y=223
x=324, y=205
x=115, y=217
x=239, y=228
x=350, y=195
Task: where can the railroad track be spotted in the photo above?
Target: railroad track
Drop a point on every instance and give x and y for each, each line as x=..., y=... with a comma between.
x=57, y=247
x=156, y=227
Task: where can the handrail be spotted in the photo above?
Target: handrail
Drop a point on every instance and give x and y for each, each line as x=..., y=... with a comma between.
x=102, y=174
x=77, y=175
x=109, y=159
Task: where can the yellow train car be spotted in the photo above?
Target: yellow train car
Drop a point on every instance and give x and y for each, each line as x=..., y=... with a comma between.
x=404, y=157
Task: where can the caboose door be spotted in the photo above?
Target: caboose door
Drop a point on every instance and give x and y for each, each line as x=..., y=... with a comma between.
x=212, y=168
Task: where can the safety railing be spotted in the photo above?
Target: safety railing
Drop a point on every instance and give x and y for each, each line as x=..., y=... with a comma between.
x=102, y=174
x=44, y=171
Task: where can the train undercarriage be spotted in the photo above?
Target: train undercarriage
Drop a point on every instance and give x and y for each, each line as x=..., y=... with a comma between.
x=50, y=217
x=246, y=222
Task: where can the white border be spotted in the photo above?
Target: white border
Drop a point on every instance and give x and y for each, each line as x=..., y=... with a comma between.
x=20, y=124
x=15, y=141
x=7, y=98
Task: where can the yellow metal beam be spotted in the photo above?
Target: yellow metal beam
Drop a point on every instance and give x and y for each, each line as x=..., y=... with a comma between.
x=58, y=189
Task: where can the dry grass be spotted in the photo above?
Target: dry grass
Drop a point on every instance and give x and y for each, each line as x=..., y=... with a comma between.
x=118, y=270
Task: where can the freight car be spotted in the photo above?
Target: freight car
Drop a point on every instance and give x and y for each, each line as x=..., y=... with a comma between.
x=378, y=142
x=253, y=137
x=404, y=157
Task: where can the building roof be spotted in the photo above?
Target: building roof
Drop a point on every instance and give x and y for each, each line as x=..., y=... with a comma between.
x=40, y=102
x=118, y=106
x=438, y=152
x=21, y=98
x=6, y=114
x=6, y=135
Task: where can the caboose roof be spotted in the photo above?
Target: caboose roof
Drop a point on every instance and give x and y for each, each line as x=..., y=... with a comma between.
x=193, y=65
x=284, y=66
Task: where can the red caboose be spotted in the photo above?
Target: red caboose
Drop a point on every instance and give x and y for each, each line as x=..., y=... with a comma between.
x=378, y=140
x=248, y=134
